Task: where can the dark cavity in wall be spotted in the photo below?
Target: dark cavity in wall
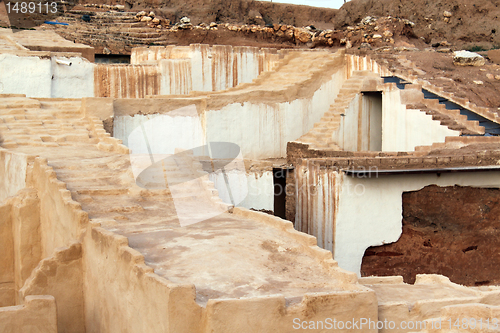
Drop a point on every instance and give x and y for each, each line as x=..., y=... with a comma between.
x=453, y=231
x=112, y=59
x=279, y=181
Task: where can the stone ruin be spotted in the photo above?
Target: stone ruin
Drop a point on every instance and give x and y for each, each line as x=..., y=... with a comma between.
x=136, y=198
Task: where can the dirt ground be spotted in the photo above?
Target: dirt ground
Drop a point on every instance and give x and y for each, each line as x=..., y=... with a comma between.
x=438, y=68
x=471, y=22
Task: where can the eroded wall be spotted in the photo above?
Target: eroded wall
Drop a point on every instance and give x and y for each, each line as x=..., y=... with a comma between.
x=37, y=314
x=446, y=230
x=126, y=81
x=261, y=130
x=61, y=276
x=199, y=67
x=358, y=213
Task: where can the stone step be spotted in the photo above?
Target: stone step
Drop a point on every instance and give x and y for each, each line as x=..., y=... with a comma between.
x=18, y=103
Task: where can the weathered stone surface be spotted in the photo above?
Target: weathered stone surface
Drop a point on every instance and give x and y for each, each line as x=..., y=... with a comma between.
x=446, y=230
x=467, y=58
x=302, y=35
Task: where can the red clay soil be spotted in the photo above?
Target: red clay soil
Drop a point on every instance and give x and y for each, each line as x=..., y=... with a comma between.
x=453, y=231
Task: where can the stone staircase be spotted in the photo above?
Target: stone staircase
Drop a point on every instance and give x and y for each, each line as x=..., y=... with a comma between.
x=117, y=28
x=42, y=123
x=449, y=118
x=207, y=248
x=320, y=136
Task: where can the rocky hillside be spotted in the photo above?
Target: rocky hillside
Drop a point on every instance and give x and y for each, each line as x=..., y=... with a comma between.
x=470, y=23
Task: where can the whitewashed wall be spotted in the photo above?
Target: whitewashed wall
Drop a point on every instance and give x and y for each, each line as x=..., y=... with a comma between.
x=200, y=67
x=263, y=130
x=260, y=188
x=43, y=77
x=165, y=132
x=404, y=129
x=260, y=130
x=357, y=213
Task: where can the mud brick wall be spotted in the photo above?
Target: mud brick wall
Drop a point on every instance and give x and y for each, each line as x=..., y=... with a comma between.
x=452, y=231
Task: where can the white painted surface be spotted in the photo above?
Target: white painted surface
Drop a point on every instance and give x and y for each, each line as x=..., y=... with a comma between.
x=165, y=132
x=25, y=75
x=260, y=130
x=404, y=129
x=263, y=130
x=364, y=212
x=374, y=216
x=202, y=68
x=260, y=188
x=43, y=77
x=75, y=81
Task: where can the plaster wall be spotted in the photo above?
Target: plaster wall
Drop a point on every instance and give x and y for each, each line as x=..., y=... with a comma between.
x=125, y=81
x=357, y=213
x=122, y=294
x=37, y=314
x=7, y=285
x=61, y=218
x=13, y=168
x=199, y=67
x=260, y=130
x=61, y=276
x=26, y=235
x=259, y=185
x=364, y=63
x=41, y=76
x=361, y=127
x=165, y=132
x=263, y=130
x=404, y=129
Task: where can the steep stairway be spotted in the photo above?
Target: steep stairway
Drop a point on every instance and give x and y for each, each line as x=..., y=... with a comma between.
x=117, y=28
x=209, y=249
x=320, y=136
x=457, y=113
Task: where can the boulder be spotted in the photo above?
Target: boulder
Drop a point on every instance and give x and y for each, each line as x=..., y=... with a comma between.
x=303, y=35
x=185, y=20
x=146, y=19
x=466, y=58
x=139, y=14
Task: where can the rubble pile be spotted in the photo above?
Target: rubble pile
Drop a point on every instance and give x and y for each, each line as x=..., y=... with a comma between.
x=120, y=31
